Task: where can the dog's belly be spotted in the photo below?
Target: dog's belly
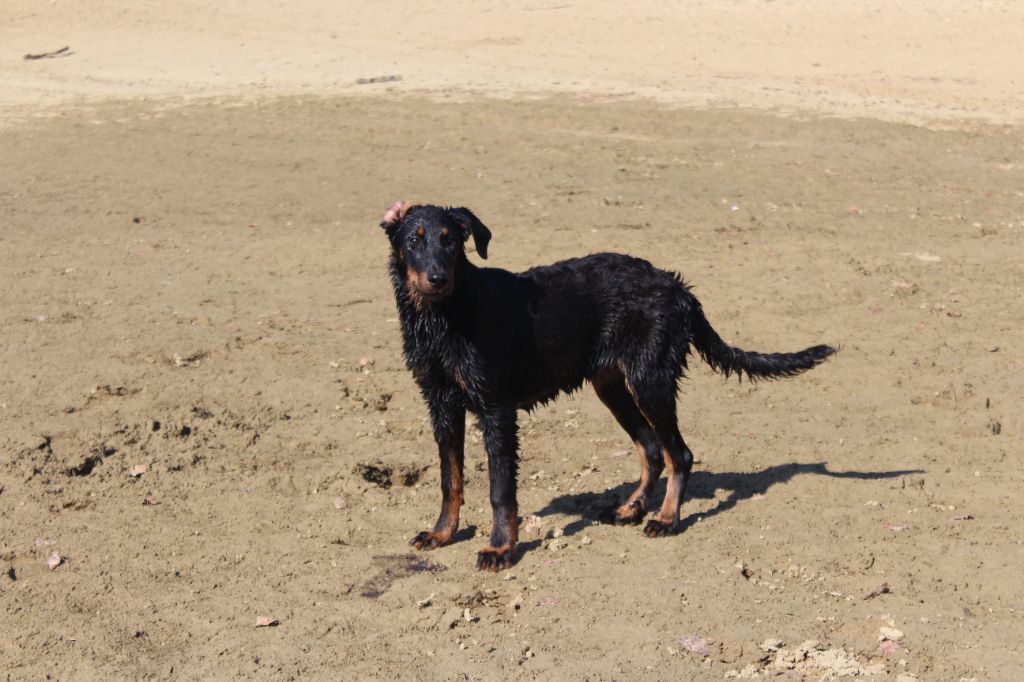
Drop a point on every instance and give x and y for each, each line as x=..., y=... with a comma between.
x=545, y=390
x=537, y=399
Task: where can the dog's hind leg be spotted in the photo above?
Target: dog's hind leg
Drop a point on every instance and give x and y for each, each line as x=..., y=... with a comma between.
x=657, y=402
x=610, y=386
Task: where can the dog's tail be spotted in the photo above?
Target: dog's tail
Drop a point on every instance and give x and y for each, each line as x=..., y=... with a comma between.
x=728, y=360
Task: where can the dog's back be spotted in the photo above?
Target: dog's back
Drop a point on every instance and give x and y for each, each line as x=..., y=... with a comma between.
x=550, y=328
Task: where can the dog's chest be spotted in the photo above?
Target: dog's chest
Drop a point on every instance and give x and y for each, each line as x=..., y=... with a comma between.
x=441, y=353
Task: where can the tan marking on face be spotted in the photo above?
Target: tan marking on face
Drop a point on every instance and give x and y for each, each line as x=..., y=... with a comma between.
x=412, y=278
x=420, y=288
x=421, y=232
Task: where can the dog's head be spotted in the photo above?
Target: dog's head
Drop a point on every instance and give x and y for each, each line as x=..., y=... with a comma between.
x=429, y=244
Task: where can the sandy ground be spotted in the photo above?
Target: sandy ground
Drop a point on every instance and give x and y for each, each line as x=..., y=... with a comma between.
x=192, y=273
x=921, y=61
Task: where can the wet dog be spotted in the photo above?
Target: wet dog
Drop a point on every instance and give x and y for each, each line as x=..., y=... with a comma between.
x=493, y=342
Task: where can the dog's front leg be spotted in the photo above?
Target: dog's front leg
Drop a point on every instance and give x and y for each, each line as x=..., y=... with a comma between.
x=448, y=417
x=502, y=443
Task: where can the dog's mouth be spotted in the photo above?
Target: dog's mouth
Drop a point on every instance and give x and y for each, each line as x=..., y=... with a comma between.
x=432, y=293
x=422, y=289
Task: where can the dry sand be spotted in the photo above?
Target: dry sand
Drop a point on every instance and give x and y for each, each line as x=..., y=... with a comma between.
x=192, y=272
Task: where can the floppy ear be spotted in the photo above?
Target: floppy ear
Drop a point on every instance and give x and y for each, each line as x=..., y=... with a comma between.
x=472, y=225
x=392, y=219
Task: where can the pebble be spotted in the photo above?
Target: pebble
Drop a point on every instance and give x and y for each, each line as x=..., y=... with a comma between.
x=695, y=644
x=532, y=523
x=747, y=673
x=888, y=648
x=891, y=634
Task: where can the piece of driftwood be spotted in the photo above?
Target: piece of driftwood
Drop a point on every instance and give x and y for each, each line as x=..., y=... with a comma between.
x=62, y=52
x=378, y=79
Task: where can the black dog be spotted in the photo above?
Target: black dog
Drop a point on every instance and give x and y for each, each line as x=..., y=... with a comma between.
x=494, y=342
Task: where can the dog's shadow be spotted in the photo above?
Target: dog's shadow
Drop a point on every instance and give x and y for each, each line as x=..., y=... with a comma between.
x=593, y=507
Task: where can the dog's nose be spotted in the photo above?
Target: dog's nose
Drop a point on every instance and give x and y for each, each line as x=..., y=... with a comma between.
x=438, y=279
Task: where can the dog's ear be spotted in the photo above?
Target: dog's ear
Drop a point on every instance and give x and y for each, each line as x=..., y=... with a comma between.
x=392, y=219
x=471, y=225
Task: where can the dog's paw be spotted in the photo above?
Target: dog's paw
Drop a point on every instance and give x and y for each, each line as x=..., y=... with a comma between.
x=660, y=529
x=496, y=558
x=629, y=514
x=431, y=539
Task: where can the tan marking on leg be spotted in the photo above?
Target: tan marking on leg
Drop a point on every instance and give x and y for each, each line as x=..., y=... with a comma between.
x=455, y=498
x=460, y=379
x=669, y=512
x=632, y=392
x=636, y=503
x=448, y=523
x=450, y=507
x=512, y=527
x=636, y=401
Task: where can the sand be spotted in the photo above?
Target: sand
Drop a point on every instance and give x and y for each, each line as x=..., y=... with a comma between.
x=194, y=287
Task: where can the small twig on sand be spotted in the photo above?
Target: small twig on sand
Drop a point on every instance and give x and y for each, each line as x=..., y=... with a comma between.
x=884, y=589
x=49, y=55
x=378, y=79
